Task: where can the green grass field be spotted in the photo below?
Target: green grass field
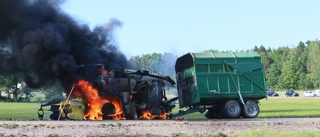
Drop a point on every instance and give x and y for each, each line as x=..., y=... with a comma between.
x=303, y=107
x=20, y=111
x=288, y=107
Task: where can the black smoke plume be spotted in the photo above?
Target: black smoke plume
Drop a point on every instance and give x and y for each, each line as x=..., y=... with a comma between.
x=43, y=44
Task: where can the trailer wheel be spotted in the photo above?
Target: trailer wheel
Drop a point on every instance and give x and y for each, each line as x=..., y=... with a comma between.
x=213, y=113
x=231, y=109
x=251, y=110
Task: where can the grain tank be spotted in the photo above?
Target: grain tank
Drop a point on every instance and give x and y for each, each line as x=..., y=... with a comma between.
x=225, y=85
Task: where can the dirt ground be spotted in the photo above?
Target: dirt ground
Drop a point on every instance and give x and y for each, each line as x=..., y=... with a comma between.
x=151, y=128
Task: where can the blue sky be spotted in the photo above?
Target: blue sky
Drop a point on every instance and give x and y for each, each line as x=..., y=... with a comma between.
x=181, y=26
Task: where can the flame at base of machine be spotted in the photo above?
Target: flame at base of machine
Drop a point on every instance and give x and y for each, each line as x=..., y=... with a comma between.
x=94, y=102
x=148, y=116
x=118, y=115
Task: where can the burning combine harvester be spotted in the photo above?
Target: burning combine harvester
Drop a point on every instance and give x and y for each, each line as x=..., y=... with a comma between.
x=224, y=85
x=118, y=94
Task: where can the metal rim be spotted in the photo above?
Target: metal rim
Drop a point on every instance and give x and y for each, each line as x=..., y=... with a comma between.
x=252, y=109
x=232, y=109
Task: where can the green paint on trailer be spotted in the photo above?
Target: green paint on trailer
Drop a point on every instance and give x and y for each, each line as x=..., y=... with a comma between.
x=213, y=78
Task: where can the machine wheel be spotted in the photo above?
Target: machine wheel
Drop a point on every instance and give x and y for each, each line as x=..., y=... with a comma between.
x=108, y=109
x=54, y=116
x=251, y=110
x=231, y=109
x=213, y=113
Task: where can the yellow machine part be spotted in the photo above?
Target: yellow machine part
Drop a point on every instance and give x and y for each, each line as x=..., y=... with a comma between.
x=74, y=109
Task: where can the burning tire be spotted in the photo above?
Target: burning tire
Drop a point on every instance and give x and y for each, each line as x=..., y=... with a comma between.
x=107, y=110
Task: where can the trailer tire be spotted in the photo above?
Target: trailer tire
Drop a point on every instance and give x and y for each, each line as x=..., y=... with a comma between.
x=251, y=110
x=232, y=109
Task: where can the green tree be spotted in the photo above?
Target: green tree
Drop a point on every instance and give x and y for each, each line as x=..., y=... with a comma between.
x=313, y=64
x=265, y=58
x=10, y=84
x=272, y=77
x=288, y=77
x=277, y=58
x=6, y=83
x=301, y=55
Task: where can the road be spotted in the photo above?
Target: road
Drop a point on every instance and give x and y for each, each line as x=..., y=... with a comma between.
x=154, y=127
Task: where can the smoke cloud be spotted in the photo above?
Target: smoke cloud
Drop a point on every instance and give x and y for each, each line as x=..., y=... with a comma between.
x=43, y=44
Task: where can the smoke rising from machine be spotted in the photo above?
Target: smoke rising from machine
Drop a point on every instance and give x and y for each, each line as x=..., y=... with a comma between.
x=43, y=44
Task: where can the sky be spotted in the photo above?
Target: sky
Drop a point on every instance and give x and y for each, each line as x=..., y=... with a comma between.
x=182, y=26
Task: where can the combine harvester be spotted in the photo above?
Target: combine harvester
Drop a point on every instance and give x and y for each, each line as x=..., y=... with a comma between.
x=224, y=85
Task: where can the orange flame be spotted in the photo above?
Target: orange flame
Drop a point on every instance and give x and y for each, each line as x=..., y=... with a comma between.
x=106, y=73
x=119, y=113
x=94, y=102
x=148, y=116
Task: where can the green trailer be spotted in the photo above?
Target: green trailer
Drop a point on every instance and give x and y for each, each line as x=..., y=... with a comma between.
x=225, y=85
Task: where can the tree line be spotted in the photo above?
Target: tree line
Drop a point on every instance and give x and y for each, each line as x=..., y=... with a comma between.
x=292, y=68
